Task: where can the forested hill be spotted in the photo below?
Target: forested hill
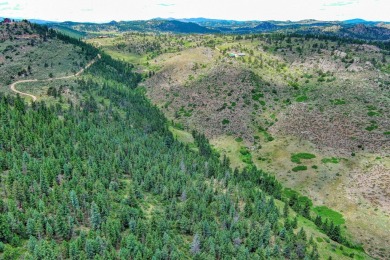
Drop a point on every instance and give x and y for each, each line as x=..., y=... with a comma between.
x=107, y=180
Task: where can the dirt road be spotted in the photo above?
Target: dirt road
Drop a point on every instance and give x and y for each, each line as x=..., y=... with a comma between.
x=34, y=98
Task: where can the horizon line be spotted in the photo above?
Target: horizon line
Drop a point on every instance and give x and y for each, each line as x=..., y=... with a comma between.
x=188, y=18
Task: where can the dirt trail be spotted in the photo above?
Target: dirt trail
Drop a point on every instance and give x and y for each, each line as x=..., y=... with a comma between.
x=34, y=98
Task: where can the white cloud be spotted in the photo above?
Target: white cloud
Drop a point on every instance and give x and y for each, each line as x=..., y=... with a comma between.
x=101, y=11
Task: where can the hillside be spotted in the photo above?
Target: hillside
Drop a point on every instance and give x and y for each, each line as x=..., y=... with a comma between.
x=28, y=52
x=92, y=171
x=291, y=96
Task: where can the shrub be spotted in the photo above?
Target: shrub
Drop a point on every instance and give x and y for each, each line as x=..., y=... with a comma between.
x=299, y=168
x=330, y=160
x=244, y=151
x=297, y=157
x=338, y=102
x=257, y=96
x=246, y=156
x=371, y=127
x=239, y=139
x=301, y=99
x=293, y=84
x=373, y=113
x=225, y=121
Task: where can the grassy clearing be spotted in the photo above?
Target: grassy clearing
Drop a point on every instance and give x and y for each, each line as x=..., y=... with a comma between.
x=228, y=145
x=184, y=137
x=330, y=214
x=126, y=56
x=288, y=193
x=297, y=157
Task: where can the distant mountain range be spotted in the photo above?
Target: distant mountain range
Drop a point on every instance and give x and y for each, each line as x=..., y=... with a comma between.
x=354, y=28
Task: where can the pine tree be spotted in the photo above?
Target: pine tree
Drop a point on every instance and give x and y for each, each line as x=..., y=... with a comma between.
x=195, y=245
x=285, y=210
x=318, y=221
x=306, y=210
x=73, y=199
x=95, y=217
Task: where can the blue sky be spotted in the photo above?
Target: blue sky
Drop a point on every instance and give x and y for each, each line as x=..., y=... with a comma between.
x=103, y=11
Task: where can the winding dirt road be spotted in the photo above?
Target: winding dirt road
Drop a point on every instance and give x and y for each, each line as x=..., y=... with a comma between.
x=34, y=98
